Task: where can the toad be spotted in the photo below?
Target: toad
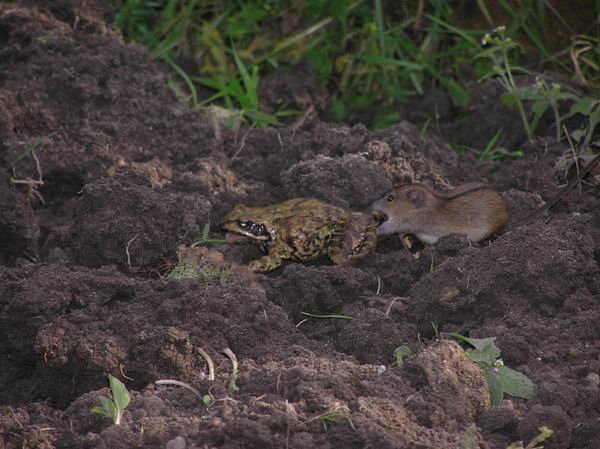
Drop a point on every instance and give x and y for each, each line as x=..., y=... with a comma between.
x=301, y=229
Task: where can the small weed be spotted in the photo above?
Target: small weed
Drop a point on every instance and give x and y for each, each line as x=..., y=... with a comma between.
x=239, y=94
x=543, y=97
x=31, y=148
x=401, y=353
x=537, y=443
x=198, y=262
x=207, y=400
x=206, y=239
x=490, y=148
x=492, y=152
x=114, y=407
x=336, y=415
x=499, y=50
x=205, y=272
x=501, y=380
x=590, y=108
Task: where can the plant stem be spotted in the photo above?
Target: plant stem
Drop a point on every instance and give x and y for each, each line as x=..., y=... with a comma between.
x=556, y=119
x=513, y=86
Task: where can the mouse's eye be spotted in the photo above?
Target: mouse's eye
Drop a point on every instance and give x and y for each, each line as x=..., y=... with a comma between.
x=390, y=198
x=244, y=223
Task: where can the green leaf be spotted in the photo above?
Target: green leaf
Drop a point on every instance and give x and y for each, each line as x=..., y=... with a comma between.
x=98, y=411
x=528, y=93
x=584, y=106
x=314, y=9
x=119, y=393
x=321, y=61
x=516, y=383
x=108, y=406
x=578, y=135
x=494, y=386
x=458, y=94
x=538, y=108
x=250, y=82
x=400, y=353
x=486, y=354
x=338, y=9
x=490, y=147
x=477, y=343
x=262, y=118
x=509, y=100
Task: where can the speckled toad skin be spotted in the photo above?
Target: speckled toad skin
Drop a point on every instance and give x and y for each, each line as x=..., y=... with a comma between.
x=302, y=229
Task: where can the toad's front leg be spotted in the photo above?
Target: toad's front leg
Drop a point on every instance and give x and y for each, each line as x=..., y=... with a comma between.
x=277, y=254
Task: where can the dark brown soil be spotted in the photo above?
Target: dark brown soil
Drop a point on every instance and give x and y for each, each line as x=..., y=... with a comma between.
x=129, y=173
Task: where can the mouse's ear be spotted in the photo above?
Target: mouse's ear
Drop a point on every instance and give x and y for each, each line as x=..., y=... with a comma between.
x=417, y=197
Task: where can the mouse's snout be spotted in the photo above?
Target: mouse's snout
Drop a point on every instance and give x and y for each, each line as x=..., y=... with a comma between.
x=379, y=216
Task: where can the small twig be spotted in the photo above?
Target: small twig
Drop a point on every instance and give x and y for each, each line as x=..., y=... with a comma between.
x=280, y=140
x=419, y=16
x=216, y=124
x=389, y=309
x=209, y=362
x=28, y=181
x=15, y=417
x=179, y=384
x=127, y=250
x=234, y=369
x=301, y=121
x=32, y=183
x=122, y=373
x=243, y=142
x=38, y=167
x=378, y=285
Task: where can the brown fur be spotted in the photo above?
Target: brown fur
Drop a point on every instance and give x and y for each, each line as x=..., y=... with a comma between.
x=471, y=209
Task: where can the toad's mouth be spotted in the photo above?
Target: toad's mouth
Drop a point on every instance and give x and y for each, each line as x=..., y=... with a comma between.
x=235, y=237
x=232, y=237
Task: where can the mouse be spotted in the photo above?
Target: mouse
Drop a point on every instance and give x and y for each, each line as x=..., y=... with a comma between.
x=472, y=209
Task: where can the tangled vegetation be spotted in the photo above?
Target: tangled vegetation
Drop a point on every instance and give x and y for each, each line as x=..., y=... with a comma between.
x=371, y=55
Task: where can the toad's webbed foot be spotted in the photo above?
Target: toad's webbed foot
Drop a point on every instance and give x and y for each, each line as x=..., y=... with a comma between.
x=265, y=264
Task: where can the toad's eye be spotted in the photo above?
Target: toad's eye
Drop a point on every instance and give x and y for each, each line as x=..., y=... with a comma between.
x=390, y=198
x=244, y=223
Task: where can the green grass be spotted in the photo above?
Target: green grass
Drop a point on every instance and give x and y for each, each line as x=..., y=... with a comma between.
x=371, y=54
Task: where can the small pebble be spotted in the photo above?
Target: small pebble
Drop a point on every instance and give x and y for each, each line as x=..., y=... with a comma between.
x=593, y=379
x=176, y=443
